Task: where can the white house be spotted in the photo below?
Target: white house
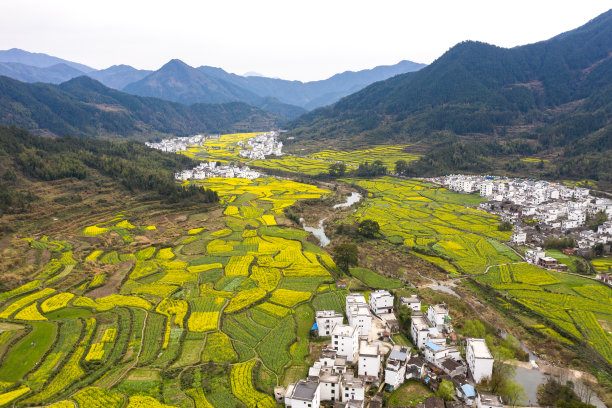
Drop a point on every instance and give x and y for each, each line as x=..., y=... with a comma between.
x=519, y=238
x=330, y=358
x=415, y=368
x=395, y=370
x=369, y=361
x=489, y=401
x=326, y=320
x=303, y=394
x=329, y=383
x=413, y=302
x=533, y=255
x=419, y=331
x=381, y=302
x=486, y=189
x=435, y=353
x=438, y=314
x=352, y=388
x=479, y=359
x=359, y=316
x=345, y=340
x=358, y=313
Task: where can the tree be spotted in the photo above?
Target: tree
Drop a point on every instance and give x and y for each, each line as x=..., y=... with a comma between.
x=446, y=391
x=401, y=167
x=404, y=317
x=513, y=393
x=337, y=169
x=505, y=226
x=598, y=219
x=345, y=256
x=474, y=328
x=368, y=228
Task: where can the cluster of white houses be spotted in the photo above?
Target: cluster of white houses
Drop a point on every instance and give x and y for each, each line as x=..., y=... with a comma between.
x=206, y=170
x=178, y=144
x=332, y=378
x=260, y=146
x=553, y=205
x=353, y=360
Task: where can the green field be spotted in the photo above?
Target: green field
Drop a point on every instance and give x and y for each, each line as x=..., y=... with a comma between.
x=434, y=220
x=576, y=307
x=229, y=294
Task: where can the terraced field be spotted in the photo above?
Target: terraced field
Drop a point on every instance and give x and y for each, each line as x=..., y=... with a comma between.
x=387, y=154
x=574, y=307
x=436, y=223
x=227, y=295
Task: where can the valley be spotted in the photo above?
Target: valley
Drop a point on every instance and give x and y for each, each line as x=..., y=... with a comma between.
x=213, y=306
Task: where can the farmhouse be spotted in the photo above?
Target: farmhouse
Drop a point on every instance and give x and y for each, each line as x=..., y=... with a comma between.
x=413, y=302
x=479, y=359
x=438, y=315
x=419, y=330
x=326, y=320
x=369, y=362
x=358, y=313
x=345, y=341
x=395, y=371
x=303, y=394
x=381, y=302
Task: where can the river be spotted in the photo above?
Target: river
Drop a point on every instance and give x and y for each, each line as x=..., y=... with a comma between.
x=319, y=232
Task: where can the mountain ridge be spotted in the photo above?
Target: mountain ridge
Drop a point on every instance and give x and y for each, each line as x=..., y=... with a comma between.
x=85, y=107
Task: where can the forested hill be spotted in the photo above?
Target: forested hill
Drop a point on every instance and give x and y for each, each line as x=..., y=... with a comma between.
x=551, y=96
x=129, y=166
x=85, y=107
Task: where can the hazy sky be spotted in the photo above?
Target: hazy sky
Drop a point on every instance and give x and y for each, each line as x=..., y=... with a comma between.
x=289, y=39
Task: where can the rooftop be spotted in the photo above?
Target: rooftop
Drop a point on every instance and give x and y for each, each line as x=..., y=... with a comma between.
x=433, y=346
x=328, y=313
x=411, y=299
x=401, y=355
x=468, y=390
x=305, y=390
x=479, y=348
x=491, y=400
x=366, y=349
x=440, y=309
x=343, y=330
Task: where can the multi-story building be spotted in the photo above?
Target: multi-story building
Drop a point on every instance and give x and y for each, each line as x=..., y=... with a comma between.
x=381, y=302
x=435, y=353
x=352, y=388
x=345, y=340
x=479, y=359
x=326, y=321
x=303, y=394
x=358, y=313
x=368, y=362
x=413, y=302
x=395, y=371
x=419, y=330
x=438, y=315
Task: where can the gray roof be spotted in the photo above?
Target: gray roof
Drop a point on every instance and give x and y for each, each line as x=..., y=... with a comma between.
x=398, y=355
x=305, y=390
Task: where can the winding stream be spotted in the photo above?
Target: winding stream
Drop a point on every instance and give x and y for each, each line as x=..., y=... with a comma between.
x=319, y=232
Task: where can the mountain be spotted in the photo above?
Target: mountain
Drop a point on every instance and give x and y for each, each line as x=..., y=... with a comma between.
x=85, y=107
x=551, y=97
x=118, y=76
x=310, y=95
x=178, y=82
x=38, y=59
x=53, y=74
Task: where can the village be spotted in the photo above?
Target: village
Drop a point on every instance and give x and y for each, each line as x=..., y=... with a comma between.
x=254, y=148
x=360, y=359
x=538, y=209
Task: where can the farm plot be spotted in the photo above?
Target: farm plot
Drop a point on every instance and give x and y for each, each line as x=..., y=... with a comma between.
x=227, y=294
x=387, y=154
x=437, y=221
x=570, y=303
